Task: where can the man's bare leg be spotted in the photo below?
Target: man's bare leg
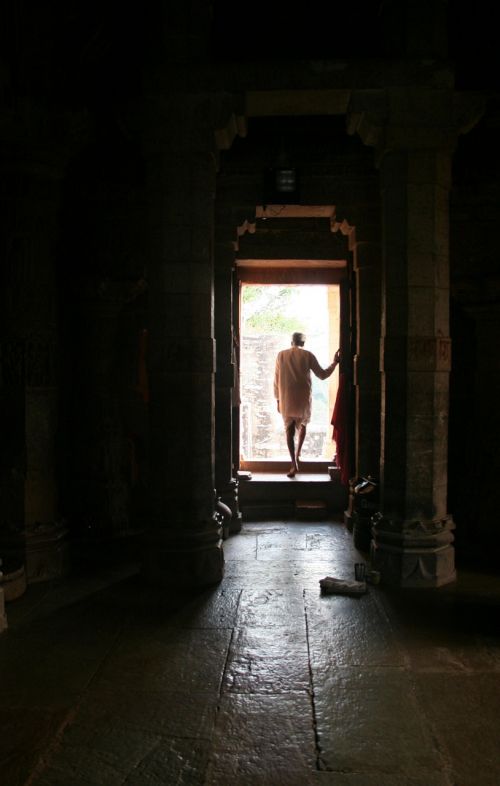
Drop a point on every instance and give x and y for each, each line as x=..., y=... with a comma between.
x=300, y=442
x=290, y=441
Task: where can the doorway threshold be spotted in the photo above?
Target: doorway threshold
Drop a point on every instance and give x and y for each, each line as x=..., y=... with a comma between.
x=281, y=477
x=271, y=494
x=272, y=467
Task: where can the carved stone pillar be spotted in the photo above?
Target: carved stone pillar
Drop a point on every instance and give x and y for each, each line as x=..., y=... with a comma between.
x=30, y=532
x=226, y=483
x=47, y=554
x=367, y=266
x=183, y=543
x=414, y=131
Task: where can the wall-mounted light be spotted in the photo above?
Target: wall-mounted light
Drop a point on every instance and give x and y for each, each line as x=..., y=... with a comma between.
x=285, y=180
x=281, y=186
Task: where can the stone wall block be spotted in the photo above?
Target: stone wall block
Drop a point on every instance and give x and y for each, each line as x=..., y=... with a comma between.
x=421, y=269
x=184, y=314
x=421, y=220
x=365, y=370
x=421, y=391
x=180, y=354
x=421, y=311
x=184, y=276
x=427, y=353
x=393, y=355
x=396, y=310
x=419, y=424
x=442, y=312
x=202, y=244
x=174, y=244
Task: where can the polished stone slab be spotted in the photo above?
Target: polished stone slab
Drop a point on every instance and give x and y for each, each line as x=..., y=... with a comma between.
x=258, y=681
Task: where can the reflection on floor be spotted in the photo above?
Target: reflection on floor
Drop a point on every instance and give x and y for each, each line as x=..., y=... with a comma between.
x=260, y=681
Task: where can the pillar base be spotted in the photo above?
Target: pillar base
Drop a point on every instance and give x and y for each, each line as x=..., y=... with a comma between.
x=41, y=549
x=47, y=552
x=13, y=584
x=229, y=495
x=413, y=554
x=184, y=560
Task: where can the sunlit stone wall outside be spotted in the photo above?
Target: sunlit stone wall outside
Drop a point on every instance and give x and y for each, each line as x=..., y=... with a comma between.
x=262, y=433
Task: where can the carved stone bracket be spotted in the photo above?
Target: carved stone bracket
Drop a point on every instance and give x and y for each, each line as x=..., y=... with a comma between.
x=230, y=121
x=412, y=118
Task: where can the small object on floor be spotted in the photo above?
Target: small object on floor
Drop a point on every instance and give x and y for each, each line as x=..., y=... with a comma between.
x=373, y=577
x=332, y=586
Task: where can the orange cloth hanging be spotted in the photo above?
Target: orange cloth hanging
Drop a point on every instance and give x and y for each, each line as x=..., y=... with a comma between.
x=340, y=421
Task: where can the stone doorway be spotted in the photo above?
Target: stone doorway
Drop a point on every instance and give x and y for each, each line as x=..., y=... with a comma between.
x=274, y=295
x=269, y=313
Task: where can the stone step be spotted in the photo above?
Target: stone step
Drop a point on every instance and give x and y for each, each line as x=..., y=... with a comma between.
x=311, y=510
x=281, y=494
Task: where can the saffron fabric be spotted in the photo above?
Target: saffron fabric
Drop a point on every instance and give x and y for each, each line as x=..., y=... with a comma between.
x=292, y=381
x=340, y=420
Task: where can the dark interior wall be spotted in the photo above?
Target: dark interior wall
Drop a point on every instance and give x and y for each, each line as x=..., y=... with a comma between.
x=474, y=463
x=102, y=294
x=87, y=61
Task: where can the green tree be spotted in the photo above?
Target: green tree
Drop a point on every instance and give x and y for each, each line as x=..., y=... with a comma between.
x=266, y=309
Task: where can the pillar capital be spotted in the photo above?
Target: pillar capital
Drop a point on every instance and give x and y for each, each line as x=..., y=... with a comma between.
x=412, y=117
x=183, y=544
x=414, y=130
x=184, y=122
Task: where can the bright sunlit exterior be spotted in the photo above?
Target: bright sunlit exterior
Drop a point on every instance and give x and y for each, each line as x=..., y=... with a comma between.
x=270, y=313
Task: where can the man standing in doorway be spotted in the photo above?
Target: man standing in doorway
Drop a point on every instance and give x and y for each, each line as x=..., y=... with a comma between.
x=292, y=390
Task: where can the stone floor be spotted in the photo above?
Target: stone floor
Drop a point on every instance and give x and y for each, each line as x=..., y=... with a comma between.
x=259, y=681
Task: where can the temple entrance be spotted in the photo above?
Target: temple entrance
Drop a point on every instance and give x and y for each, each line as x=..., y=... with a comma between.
x=273, y=303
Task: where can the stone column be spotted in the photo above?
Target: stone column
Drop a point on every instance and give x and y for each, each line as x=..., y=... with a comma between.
x=183, y=544
x=367, y=267
x=226, y=483
x=366, y=375
x=47, y=553
x=413, y=536
x=30, y=532
x=414, y=131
